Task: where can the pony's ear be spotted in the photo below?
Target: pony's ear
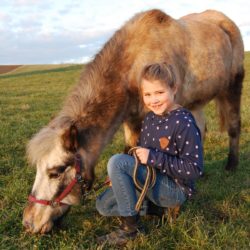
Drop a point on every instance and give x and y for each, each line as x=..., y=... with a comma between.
x=70, y=139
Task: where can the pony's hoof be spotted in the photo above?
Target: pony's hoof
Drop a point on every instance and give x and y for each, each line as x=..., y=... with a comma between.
x=232, y=162
x=231, y=166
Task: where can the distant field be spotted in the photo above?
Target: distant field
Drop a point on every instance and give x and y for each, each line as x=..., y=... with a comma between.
x=30, y=68
x=24, y=70
x=218, y=218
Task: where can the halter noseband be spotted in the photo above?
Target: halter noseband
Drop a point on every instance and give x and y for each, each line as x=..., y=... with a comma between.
x=77, y=179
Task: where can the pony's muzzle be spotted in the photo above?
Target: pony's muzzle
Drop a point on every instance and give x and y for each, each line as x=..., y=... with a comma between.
x=40, y=218
x=30, y=227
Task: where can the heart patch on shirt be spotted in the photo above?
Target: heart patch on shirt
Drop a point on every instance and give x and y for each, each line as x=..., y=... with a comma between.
x=164, y=141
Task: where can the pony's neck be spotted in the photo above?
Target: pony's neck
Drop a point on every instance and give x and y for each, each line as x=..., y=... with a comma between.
x=98, y=103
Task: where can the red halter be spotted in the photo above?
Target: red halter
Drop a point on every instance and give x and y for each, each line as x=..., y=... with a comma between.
x=57, y=201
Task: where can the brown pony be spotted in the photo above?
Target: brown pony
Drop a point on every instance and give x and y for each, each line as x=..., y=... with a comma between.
x=206, y=52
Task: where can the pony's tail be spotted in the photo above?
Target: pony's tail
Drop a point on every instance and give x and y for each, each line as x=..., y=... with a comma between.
x=228, y=104
x=230, y=100
x=222, y=114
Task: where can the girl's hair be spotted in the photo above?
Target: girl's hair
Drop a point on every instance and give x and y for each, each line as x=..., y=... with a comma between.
x=162, y=72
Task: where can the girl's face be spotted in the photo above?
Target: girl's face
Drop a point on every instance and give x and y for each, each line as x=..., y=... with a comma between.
x=158, y=97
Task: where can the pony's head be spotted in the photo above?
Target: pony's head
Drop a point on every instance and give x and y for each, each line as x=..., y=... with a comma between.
x=59, y=176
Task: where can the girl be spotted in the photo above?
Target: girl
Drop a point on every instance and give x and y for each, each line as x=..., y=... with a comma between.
x=170, y=142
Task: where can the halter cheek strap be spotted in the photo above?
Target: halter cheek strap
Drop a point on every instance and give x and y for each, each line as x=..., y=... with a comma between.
x=57, y=201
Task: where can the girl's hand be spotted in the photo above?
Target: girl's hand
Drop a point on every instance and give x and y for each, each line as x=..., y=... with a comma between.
x=142, y=154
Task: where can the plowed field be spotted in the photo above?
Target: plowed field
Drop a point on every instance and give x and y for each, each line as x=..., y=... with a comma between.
x=7, y=68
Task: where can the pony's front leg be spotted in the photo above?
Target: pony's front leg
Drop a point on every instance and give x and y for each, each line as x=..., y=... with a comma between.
x=131, y=134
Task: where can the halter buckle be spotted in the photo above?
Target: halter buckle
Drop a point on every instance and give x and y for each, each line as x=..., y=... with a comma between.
x=79, y=178
x=54, y=203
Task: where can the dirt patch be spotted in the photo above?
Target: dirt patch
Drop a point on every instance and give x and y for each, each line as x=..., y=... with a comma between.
x=8, y=68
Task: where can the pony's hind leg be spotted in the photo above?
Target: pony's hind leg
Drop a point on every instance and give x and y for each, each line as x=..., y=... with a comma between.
x=200, y=119
x=229, y=107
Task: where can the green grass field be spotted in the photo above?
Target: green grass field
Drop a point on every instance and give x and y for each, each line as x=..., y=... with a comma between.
x=218, y=217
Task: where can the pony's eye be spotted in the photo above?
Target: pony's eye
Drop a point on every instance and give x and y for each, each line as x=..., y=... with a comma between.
x=54, y=175
x=56, y=172
x=61, y=169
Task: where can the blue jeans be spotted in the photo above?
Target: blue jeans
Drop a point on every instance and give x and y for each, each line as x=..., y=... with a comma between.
x=121, y=198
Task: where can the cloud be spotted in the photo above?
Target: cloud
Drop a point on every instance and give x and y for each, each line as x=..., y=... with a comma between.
x=83, y=59
x=46, y=31
x=4, y=18
x=48, y=47
x=26, y=2
x=244, y=24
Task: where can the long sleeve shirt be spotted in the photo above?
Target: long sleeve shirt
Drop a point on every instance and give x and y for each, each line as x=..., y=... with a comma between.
x=175, y=146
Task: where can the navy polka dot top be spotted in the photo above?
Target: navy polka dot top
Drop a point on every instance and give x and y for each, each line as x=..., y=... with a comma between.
x=175, y=146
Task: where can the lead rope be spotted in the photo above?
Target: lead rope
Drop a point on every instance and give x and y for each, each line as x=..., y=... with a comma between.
x=149, y=182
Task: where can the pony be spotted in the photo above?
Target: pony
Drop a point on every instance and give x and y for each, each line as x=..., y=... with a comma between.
x=206, y=52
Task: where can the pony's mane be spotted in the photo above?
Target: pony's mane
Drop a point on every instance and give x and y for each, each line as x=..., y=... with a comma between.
x=91, y=84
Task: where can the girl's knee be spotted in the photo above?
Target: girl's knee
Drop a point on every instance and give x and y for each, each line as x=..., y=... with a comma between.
x=118, y=163
x=113, y=163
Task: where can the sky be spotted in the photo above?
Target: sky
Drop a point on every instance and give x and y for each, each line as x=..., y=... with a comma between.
x=73, y=31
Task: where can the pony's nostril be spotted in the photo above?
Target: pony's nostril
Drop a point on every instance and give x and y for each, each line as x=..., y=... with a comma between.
x=28, y=226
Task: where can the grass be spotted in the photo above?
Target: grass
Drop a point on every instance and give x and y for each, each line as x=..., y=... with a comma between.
x=218, y=217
